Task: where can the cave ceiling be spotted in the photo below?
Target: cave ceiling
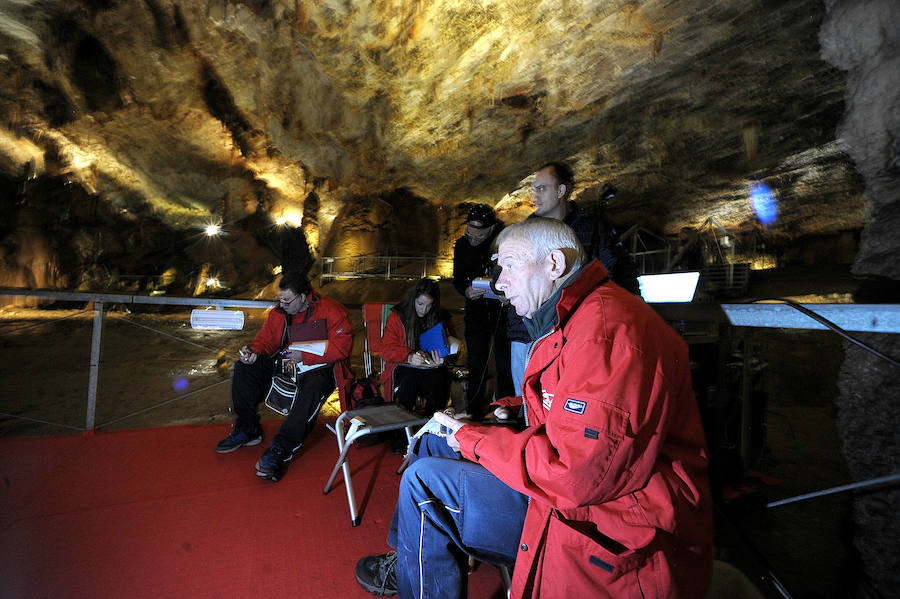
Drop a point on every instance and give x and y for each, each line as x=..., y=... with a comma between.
x=181, y=107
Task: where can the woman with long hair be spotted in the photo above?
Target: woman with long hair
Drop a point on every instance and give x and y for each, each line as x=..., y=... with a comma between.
x=411, y=372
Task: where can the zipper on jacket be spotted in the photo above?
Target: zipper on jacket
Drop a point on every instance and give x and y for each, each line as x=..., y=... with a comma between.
x=527, y=360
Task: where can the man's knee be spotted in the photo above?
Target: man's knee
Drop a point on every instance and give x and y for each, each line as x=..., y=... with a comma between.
x=249, y=374
x=413, y=474
x=429, y=445
x=422, y=474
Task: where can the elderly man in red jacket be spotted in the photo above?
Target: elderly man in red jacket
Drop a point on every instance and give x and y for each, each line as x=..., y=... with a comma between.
x=613, y=462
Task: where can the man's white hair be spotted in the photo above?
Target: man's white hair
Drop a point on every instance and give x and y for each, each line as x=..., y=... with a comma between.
x=546, y=235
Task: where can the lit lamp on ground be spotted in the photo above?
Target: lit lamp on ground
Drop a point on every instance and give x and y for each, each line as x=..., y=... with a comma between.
x=217, y=318
x=668, y=287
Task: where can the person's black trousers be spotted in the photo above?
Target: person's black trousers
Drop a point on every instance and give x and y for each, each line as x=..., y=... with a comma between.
x=249, y=385
x=431, y=384
x=485, y=325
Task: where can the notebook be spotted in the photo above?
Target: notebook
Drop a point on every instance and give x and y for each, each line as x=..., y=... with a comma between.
x=311, y=337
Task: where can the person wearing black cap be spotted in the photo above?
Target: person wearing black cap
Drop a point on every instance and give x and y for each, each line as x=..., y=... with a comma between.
x=485, y=319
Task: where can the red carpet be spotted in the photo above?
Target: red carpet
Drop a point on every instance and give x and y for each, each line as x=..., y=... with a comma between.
x=156, y=513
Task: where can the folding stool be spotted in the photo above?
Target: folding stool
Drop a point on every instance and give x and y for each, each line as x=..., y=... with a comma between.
x=362, y=422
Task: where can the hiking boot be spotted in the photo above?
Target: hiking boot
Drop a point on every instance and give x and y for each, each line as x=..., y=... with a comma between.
x=378, y=574
x=272, y=464
x=238, y=439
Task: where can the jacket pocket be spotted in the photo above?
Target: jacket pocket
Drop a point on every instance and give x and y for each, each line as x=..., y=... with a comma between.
x=589, y=432
x=576, y=564
x=599, y=418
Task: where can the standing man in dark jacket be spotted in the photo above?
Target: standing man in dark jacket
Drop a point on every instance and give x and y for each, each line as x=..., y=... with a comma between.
x=320, y=374
x=551, y=188
x=485, y=319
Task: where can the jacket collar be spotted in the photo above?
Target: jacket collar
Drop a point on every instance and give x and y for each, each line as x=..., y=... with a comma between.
x=589, y=278
x=564, y=301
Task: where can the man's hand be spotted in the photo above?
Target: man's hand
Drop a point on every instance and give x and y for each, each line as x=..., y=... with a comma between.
x=503, y=413
x=296, y=357
x=452, y=425
x=474, y=294
x=248, y=356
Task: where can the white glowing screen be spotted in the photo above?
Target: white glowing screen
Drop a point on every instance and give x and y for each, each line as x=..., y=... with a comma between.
x=669, y=287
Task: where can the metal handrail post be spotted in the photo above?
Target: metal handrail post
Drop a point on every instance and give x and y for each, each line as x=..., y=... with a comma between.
x=94, y=370
x=731, y=266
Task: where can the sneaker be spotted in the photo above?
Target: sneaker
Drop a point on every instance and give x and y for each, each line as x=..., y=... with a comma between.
x=272, y=463
x=378, y=574
x=238, y=439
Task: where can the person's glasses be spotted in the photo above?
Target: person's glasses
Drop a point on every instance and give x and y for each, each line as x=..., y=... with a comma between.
x=477, y=227
x=285, y=302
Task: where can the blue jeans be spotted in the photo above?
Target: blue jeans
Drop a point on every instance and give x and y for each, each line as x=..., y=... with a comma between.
x=448, y=509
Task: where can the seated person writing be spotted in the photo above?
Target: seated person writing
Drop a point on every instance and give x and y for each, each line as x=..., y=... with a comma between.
x=319, y=374
x=411, y=372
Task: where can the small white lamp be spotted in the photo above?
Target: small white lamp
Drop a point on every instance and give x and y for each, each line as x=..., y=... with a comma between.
x=208, y=318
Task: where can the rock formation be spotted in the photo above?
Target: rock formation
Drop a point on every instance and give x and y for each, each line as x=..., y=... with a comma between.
x=217, y=110
x=862, y=37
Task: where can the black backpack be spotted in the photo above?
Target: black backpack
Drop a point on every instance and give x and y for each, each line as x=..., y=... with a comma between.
x=363, y=393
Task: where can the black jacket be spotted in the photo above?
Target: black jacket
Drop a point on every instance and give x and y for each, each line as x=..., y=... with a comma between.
x=471, y=262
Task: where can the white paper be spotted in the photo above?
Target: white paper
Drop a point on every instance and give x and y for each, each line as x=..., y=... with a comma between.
x=310, y=347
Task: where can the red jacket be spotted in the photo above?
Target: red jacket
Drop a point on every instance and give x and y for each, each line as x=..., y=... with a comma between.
x=394, y=350
x=614, y=459
x=272, y=337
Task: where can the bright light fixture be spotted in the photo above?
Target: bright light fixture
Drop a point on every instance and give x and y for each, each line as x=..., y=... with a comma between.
x=210, y=318
x=213, y=230
x=668, y=287
x=289, y=218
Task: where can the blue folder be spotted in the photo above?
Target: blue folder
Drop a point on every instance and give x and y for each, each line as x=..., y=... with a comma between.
x=435, y=338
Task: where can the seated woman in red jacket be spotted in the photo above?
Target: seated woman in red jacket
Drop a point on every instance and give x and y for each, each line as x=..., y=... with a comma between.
x=409, y=371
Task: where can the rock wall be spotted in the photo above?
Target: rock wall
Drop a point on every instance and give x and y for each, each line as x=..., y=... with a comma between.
x=56, y=235
x=175, y=105
x=862, y=37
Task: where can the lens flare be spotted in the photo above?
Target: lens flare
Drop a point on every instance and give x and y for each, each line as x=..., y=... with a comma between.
x=764, y=204
x=180, y=384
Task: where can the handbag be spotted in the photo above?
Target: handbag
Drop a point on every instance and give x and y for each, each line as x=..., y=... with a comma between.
x=282, y=394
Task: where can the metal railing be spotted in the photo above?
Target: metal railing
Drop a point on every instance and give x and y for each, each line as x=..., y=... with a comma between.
x=99, y=301
x=384, y=267
x=730, y=279
x=651, y=261
x=851, y=317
